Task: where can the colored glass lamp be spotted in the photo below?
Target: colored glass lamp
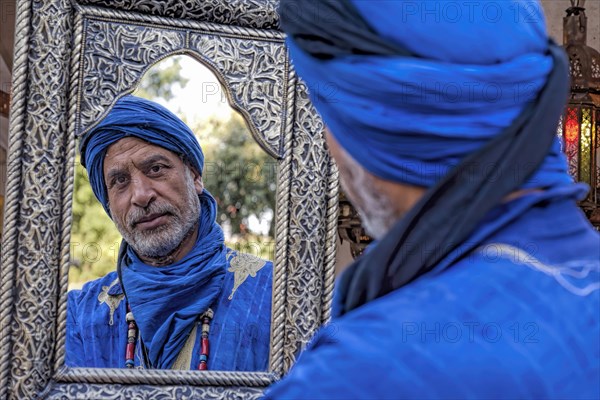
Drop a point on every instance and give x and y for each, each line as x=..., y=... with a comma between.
x=579, y=128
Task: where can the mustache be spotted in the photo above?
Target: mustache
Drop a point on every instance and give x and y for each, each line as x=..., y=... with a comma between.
x=137, y=214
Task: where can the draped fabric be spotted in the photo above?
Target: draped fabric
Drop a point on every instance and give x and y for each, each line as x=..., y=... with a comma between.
x=516, y=319
x=167, y=301
x=409, y=96
x=239, y=332
x=446, y=215
x=423, y=115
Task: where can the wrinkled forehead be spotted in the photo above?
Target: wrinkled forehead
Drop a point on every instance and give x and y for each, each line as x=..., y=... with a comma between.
x=132, y=151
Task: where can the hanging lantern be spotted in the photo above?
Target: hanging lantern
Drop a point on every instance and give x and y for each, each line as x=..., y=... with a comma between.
x=579, y=128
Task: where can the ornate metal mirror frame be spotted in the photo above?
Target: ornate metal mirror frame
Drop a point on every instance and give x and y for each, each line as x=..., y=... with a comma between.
x=72, y=61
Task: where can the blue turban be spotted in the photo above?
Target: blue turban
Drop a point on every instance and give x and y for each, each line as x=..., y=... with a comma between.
x=461, y=98
x=136, y=117
x=462, y=74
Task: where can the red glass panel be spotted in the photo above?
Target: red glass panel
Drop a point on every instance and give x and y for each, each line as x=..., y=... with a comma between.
x=572, y=141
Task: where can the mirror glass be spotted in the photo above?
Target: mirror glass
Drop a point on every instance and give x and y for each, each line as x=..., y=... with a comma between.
x=203, y=302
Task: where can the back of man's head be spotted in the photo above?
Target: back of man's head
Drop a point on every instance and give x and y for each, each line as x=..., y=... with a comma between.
x=410, y=88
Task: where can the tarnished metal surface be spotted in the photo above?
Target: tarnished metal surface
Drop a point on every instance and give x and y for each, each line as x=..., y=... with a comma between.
x=72, y=63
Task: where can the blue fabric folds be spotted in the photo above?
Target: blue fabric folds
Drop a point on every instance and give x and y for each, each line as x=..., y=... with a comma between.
x=239, y=333
x=167, y=301
x=412, y=119
x=518, y=323
x=136, y=117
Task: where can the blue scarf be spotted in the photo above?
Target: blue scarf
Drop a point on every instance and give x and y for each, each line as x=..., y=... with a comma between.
x=167, y=301
x=410, y=95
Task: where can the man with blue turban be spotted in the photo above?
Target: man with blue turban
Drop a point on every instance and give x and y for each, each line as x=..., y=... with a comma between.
x=179, y=299
x=484, y=279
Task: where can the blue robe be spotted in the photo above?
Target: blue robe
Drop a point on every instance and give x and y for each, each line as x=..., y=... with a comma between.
x=239, y=332
x=519, y=317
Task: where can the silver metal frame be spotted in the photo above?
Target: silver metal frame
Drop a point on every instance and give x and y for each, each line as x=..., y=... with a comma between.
x=73, y=60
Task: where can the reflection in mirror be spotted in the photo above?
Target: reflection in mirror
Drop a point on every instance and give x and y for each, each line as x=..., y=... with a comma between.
x=190, y=286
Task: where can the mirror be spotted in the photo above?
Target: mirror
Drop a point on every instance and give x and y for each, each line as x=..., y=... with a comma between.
x=242, y=179
x=66, y=79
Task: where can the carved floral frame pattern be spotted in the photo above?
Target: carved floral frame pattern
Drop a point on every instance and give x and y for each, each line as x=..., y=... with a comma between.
x=72, y=61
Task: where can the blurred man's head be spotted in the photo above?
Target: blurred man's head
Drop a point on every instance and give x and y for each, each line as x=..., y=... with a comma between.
x=380, y=203
x=413, y=94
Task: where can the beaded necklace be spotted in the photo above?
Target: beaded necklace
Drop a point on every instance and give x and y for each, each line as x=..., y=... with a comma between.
x=132, y=332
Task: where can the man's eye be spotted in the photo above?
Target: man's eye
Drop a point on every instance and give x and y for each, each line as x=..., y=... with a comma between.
x=155, y=169
x=119, y=180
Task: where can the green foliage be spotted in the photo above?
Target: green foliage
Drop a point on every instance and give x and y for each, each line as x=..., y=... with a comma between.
x=258, y=246
x=94, y=238
x=240, y=175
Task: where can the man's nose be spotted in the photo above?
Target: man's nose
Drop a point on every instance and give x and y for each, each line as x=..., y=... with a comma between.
x=142, y=191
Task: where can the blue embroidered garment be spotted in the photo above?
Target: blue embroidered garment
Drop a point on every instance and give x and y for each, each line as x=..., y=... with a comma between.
x=517, y=318
x=167, y=301
x=239, y=333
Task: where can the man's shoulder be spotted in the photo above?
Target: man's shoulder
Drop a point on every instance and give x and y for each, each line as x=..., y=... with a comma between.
x=247, y=275
x=108, y=284
x=344, y=360
x=249, y=263
x=416, y=347
x=472, y=329
x=496, y=279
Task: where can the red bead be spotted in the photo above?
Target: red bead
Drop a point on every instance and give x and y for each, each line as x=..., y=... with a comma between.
x=202, y=366
x=130, y=351
x=205, y=346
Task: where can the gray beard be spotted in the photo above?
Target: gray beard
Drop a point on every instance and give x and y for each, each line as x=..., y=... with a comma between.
x=374, y=209
x=164, y=240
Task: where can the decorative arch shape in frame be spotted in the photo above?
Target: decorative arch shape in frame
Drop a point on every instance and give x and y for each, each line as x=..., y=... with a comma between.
x=72, y=62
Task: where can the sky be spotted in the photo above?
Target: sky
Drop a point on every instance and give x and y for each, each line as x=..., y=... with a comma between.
x=202, y=96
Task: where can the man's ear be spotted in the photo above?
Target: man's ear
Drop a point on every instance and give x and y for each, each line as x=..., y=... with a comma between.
x=198, y=184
